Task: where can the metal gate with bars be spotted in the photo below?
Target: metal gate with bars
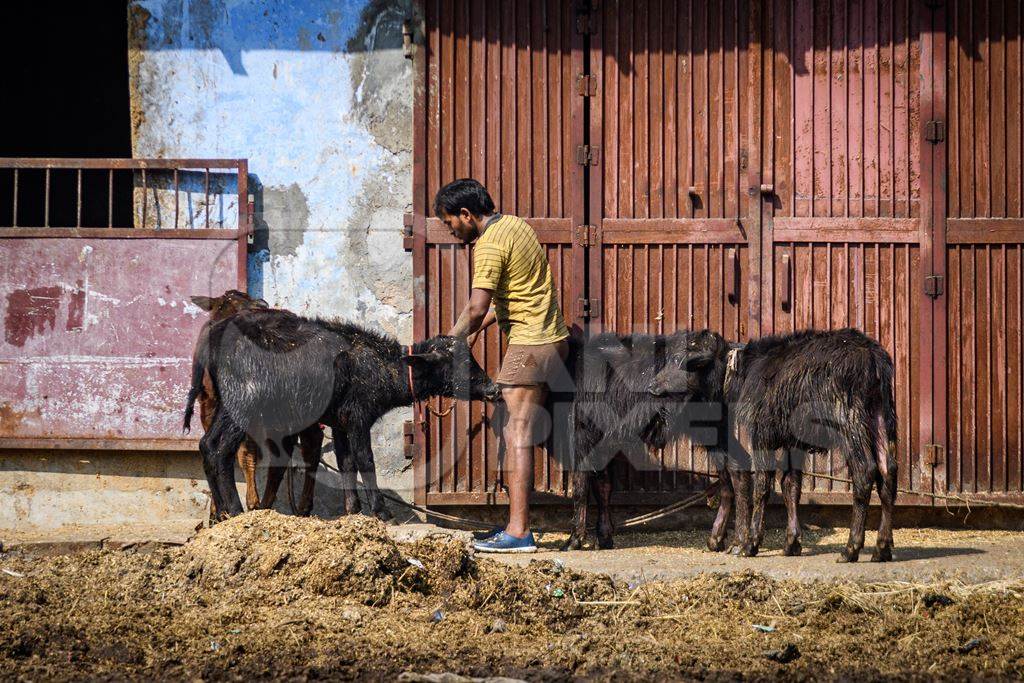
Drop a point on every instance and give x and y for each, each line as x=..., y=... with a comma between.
x=751, y=167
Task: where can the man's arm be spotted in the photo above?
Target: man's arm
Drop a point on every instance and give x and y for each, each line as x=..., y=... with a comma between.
x=472, y=317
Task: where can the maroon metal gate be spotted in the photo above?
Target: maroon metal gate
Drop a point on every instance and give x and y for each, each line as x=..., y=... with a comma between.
x=98, y=325
x=752, y=167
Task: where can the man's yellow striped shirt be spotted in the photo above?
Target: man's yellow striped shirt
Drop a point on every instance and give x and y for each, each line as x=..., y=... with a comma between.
x=509, y=261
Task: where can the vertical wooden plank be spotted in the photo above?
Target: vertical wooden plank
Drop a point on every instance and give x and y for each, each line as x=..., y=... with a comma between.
x=523, y=109
x=626, y=144
x=641, y=113
x=538, y=143
x=820, y=89
x=558, y=122
x=761, y=298
x=492, y=122
x=955, y=312
x=656, y=106
x=1014, y=83
x=953, y=112
x=901, y=82
x=716, y=120
x=872, y=123
x=980, y=110
x=670, y=88
x=855, y=108
x=803, y=107
x=701, y=136
x=886, y=110
x=783, y=115
x=839, y=107
x=460, y=103
x=996, y=33
x=509, y=104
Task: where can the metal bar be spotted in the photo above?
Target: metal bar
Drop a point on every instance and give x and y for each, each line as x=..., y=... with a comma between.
x=145, y=198
x=46, y=200
x=14, y=209
x=206, y=190
x=110, y=198
x=119, y=164
x=78, y=208
x=175, y=199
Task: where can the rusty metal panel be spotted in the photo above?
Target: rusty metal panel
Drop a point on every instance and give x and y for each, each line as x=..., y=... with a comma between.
x=98, y=327
x=500, y=102
x=985, y=253
x=98, y=333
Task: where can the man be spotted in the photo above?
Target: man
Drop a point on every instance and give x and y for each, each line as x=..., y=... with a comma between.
x=510, y=269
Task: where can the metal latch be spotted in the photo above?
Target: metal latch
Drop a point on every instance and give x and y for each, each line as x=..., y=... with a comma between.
x=409, y=436
x=588, y=308
x=932, y=454
x=933, y=286
x=407, y=223
x=585, y=235
x=588, y=155
x=586, y=85
x=934, y=131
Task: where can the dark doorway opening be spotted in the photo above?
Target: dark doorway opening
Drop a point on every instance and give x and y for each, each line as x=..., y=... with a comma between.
x=67, y=95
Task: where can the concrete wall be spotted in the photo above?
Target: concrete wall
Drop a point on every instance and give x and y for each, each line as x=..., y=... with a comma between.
x=318, y=96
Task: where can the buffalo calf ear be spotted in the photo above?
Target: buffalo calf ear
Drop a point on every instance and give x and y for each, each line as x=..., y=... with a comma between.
x=203, y=302
x=260, y=303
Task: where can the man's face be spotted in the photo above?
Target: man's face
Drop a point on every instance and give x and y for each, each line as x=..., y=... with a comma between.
x=461, y=225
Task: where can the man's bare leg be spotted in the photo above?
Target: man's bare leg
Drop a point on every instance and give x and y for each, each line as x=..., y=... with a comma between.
x=524, y=404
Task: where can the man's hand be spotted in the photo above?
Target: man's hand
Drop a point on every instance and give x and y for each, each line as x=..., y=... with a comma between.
x=472, y=317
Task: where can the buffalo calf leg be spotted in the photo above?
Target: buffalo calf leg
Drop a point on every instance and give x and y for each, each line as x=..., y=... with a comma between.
x=862, y=473
x=741, y=484
x=763, y=481
x=716, y=541
x=350, y=504
x=580, y=495
x=218, y=447
x=791, y=484
x=603, y=491
x=311, y=443
x=886, y=482
x=359, y=443
x=276, y=466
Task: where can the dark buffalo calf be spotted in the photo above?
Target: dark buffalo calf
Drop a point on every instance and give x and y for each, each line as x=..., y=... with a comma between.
x=614, y=413
x=276, y=374
x=787, y=395
x=221, y=307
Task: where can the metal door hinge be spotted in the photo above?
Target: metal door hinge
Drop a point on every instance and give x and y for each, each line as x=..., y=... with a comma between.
x=588, y=308
x=932, y=454
x=585, y=235
x=588, y=155
x=935, y=131
x=586, y=85
x=933, y=286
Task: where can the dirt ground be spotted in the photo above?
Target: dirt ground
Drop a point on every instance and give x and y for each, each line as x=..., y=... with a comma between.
x=265, y=596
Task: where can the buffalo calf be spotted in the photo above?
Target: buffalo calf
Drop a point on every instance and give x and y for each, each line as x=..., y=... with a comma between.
x=275, y=374
x=784, y=396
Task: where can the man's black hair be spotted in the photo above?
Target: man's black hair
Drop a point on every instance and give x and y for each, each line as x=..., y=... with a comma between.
x=464, y=193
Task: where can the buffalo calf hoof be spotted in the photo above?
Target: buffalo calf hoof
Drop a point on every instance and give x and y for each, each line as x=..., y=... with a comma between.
x=716, y=545
x=882, y=554
x=574, y=543
x=605, y=543
x=384, y=515
x=848, y=555
x=748, y=550
x=792, y=549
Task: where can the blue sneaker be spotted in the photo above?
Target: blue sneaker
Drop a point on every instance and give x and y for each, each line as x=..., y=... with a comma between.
x=490, y=533
x=503, y=543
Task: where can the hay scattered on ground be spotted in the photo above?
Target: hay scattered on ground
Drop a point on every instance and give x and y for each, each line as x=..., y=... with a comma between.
x=269, y=596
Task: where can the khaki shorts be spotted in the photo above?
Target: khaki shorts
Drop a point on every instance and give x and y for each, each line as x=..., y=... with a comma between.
x=533, y=365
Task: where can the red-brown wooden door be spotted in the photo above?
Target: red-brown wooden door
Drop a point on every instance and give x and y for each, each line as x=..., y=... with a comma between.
x=497, y=100
x=667, y=191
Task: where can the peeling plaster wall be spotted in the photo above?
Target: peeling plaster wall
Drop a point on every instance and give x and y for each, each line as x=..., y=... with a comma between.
x=318, y=96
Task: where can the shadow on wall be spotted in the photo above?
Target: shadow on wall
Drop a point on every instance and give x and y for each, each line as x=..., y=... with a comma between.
x=233, y=28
